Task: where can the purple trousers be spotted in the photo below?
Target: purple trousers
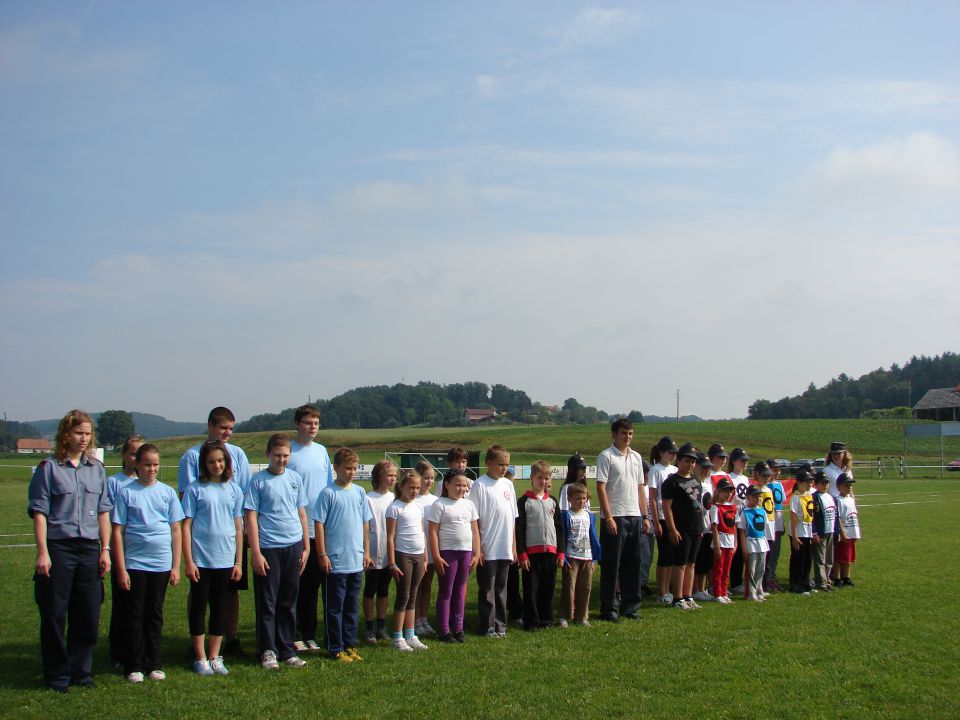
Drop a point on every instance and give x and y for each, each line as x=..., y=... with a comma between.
x=452, y=590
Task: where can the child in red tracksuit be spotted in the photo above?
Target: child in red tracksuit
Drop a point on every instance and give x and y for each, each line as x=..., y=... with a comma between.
x=540, y=544
x=723, y=522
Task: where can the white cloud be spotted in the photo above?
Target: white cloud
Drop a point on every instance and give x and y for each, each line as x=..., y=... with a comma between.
x=595, y=26
x=488, y=86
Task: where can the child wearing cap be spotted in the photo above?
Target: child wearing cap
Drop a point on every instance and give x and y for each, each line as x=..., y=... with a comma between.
x=774, y=485
x=683, y=516
x=753, y=542
x=736, y=467
x=801, y=534
x=723, y=526
x=703, y=565
x=824, y=528
x=849, y=525
x=761, y=475
x=662, y=456
x=839, y=460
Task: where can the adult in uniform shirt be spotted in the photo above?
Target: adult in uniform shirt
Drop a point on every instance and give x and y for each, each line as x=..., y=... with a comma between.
x=68, y=502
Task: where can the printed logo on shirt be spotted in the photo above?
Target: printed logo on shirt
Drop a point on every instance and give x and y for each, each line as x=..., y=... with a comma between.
x=506, y=494
x=707, y=500
x=726, y=518
x=766, y=502
x=756, y=522
x=777, y=490
x=851, y=520
x=742, y=492
x=806, y=506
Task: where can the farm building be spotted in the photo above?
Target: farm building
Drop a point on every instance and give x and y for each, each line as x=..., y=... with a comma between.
x=29, y=446
x=474, y=416
x=942, y=404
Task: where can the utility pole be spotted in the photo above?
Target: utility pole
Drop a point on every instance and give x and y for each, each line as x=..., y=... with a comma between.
x=678, y=404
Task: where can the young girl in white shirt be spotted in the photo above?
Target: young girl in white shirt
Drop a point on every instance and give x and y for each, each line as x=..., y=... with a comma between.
x=406, y=553
x=426, y=498
x=376, y=581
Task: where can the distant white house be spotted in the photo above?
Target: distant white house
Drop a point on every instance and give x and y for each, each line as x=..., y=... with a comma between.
x=33, y=446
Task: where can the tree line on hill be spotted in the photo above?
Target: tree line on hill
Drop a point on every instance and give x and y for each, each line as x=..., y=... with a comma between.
x=880, y=393
x=120, y=423
x=11, y=431
x=432, y=404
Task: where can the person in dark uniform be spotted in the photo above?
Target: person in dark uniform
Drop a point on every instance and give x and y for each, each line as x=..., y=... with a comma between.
x=68, y=502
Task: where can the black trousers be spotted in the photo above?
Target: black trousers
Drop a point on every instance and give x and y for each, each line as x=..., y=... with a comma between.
x=276, y=596
x=514, y=598
x=69, y=602
x=492, y=595
x=144, y=620
x=801, y=562
x=620, y=557
x=210, y=589
x=307, y=599
x=539, y=587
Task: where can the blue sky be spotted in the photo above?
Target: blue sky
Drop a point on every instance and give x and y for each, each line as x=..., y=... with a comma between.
x=609, y=201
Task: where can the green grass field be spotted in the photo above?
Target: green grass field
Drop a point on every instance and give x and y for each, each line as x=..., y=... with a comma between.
x=886, y=648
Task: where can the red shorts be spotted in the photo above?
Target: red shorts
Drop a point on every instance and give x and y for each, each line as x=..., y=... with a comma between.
x=845, y=552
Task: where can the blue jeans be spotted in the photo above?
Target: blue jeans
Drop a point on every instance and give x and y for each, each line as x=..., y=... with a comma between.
x=341, y=595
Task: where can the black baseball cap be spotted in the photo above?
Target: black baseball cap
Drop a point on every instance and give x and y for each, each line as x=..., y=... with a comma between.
x=739, y=454
x=754, y=490
x=666, y=444
x=688, y=450
x=716, y=450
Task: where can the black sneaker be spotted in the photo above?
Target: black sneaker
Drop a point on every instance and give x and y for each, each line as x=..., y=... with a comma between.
x=233, y=648
x=847, y=581
x=458, y=636
x=612, y=618
x=445, y=638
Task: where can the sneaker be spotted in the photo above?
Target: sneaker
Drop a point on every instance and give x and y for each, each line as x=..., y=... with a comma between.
x=300, y=646
x=313, y=646
x=382, y=634
x=502, y=634
x=446, y=638
x=724, y=600
x=370, y=637
x=585, y=623
x=233, y=647
x=807, y=593
x=425, y=630
x=354, y=655
x=157, y=675
x=738, y=590
x=491, y=633
x=135, y=677
x=458, y=636
x=665, y=599
x=612, y=618
x=703, y=596
x=681, y=605
x=562, y=623
x=295, y=662
x=401, y=645
x=341, y=657
x=415, y=643
x=269, y=660
x=758, y=598
x=847, y=581
x=202, y=667
x=218, y=666
x=692, y=604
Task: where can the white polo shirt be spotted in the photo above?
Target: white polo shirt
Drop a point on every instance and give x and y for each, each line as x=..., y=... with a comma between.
x=621, y=474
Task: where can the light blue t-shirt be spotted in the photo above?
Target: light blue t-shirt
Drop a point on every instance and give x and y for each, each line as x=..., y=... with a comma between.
x=277, y=500
x=147, y=512
x=116, y=483
x=189, y=469
x=313, y=464
x=214, y=507
x=342, y=512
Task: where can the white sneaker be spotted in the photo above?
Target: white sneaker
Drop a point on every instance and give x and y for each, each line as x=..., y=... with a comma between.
x=415, y=643
x=269, y=660
x=665, y=599
x=724, y=600
x=401, y=645
x=157, y=675
x=135, y=677
x=703, y=596
x=692, y=604
x=562, y=623
x=312, y=646
x=202, y=667
x=295, y=662
x=218, y=667
x=492, y=633
x=300, y=646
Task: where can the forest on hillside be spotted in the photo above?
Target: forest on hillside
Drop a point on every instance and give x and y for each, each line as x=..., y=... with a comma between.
x=868, y=395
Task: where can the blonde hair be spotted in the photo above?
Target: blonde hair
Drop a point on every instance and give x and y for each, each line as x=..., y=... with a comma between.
x=405, y=477
x=381, y=468
x=68, y=423
x=541, y=467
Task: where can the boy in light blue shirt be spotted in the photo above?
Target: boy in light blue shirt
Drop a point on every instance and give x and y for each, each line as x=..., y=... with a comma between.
x=146, y=545
x=276, y=522
x=311, y=460
x=341, y=523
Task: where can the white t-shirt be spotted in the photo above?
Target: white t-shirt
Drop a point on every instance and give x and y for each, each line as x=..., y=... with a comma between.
x=833, y=472
x=496, y=503
x=728, y=540
x=455, y=518
x=409, y=534
x=658, y=473
x=426, y=502
x=740, y=485
x=754, y=544
x=849, y=521
x=802, y=507
x=706, y=498
x=578, y=539
x=622, y=475
x=379, y=502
